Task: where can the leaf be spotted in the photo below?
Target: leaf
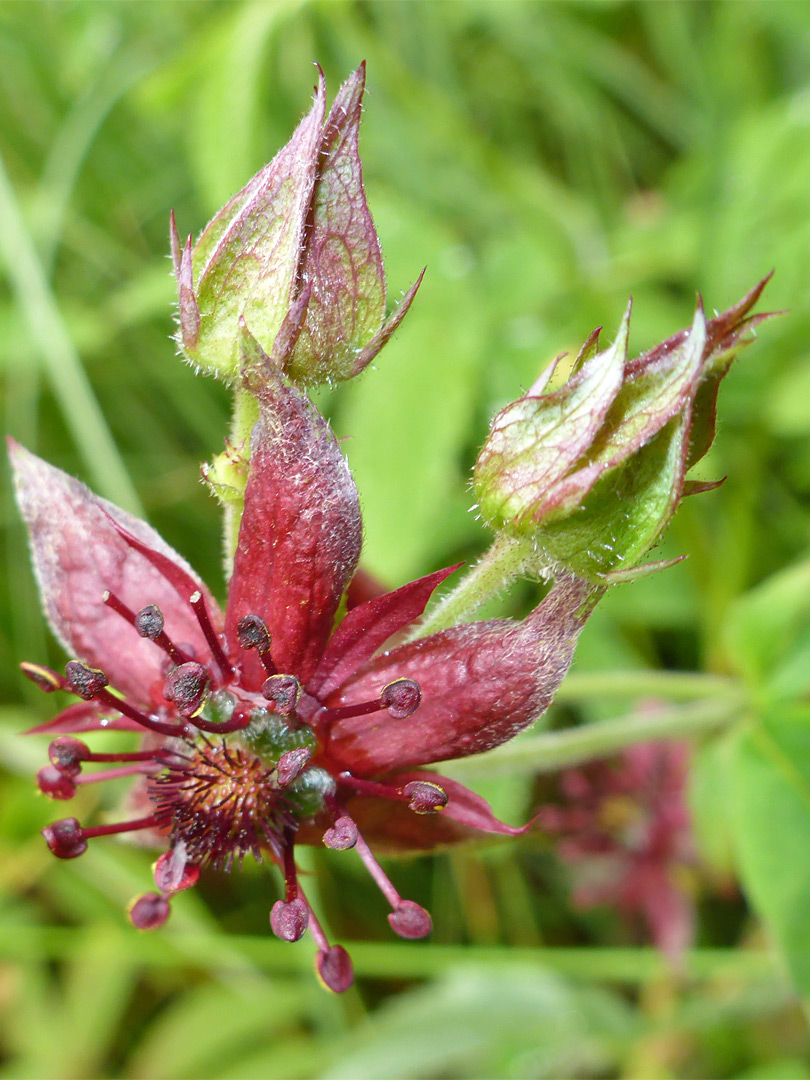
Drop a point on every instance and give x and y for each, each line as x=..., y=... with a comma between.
x=770, y=803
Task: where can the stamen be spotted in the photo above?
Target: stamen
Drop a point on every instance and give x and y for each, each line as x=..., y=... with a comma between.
x=120, y=827
x=68, y=754
x=408, y=919
x=43, y=677
x=89, y=684
x=65, y=838
x=149, y=624
x=252, y=633
x=422, y=796
x=115, y=774
x=197, y=601
x=283, y=692
x=401, y=698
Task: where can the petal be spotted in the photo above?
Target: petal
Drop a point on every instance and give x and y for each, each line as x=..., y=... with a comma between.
x=78, y=553
x=369, y=626
x=81, y=717
x=299, y=540
x=481, y=684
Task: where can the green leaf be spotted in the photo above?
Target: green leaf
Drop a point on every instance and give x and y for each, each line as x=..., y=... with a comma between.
x=770, y=803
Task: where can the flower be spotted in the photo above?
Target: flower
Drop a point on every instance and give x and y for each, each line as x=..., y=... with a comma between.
x=624, y=828
x=263, y=727
x=592, y=473
x=296, y=256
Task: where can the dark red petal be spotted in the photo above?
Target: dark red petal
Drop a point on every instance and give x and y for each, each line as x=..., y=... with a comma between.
x=78, y=554
x=369, y=626
x=84, y=716
x=299, y=541
x=393, y=828
x=481, y=684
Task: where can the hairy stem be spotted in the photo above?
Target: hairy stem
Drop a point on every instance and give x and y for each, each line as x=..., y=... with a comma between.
x=504, y=561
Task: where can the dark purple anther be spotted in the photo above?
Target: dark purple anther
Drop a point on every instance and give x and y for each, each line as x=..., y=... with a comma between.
x=149, y=911
x=84, y=681
x=252, y=633
x=149, y=622
x=289, y=919
x=55, y=784
x=334, y=968
x=424, y=797
x=283, y=692
x=65, y=838
x=342, y=835
x=187, y=687
x=401, y=698
x=67, y=754
x=410, y=920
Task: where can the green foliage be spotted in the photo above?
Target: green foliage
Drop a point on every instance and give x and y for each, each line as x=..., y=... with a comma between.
x=545, y=160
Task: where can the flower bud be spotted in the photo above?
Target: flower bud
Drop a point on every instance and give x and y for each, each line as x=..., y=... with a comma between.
x=295, y=255
x=592, y=473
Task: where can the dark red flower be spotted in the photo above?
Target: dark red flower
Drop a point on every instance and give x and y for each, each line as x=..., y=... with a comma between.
x=624, y=828
x=263, y=727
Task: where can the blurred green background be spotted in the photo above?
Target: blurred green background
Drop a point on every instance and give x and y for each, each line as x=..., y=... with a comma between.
x=545, y=161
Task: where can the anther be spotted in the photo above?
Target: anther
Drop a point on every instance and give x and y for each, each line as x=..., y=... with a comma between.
x=410, y=920
x=149, y=911
x=187, y=686
x=65, y=838
x=56, y=784
x=334, y=969
x=149, y=624
x=401, y=698
x=88, y=683
x=425, y=797
x=252, y=633
x=67, y=754
x=197, y=601
x=291, y=764
x=43, y=677
x=84, y=681
x=283, y=692
x=342, y=835
x=289, y=919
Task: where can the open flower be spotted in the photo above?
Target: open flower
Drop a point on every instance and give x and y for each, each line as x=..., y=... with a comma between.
x=264, y=727
x=624, y=828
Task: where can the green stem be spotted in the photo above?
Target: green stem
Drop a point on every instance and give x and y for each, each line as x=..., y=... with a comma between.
x=501, y=564
x=400, y=960
x=60, y=361
x=562, y=749
x=672, y=685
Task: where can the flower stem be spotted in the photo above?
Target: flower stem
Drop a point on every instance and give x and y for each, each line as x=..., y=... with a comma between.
x=562, y=749
x=504, y=560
